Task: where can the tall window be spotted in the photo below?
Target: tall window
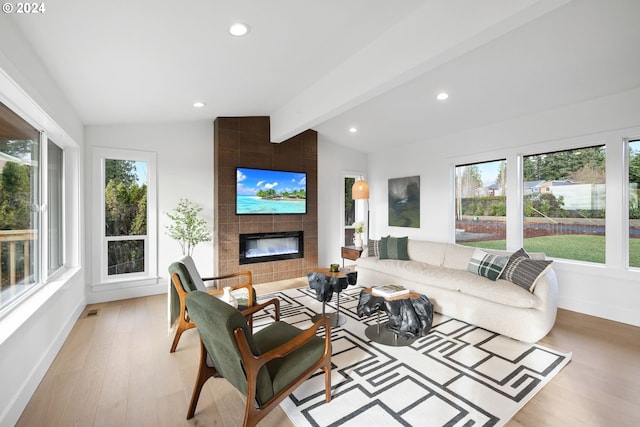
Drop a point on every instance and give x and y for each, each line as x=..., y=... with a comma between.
x=125, y=202
x=349, y=211
x=54, y=210
x=564, y=204
x=125, y=197
x=634, y=205
x=30, y=223
x=481, y=205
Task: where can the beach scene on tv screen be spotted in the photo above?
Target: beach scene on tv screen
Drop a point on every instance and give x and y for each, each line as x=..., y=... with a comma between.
x=260, y=191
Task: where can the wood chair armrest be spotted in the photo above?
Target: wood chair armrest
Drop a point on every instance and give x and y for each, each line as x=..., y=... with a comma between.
x=247, y=273
x=248, y=284
x=253, y=309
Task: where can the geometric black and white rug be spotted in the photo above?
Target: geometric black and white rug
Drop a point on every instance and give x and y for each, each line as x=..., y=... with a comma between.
x=457, y=375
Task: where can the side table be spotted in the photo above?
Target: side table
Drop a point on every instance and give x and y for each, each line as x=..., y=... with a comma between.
x=325, y=283
x=350, y=252
x=410, y=317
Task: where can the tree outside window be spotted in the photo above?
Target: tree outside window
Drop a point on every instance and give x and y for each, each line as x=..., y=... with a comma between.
x=24, y=208
x=125, y=196
x=634, y=205
x=19, y=249
x=481, y=205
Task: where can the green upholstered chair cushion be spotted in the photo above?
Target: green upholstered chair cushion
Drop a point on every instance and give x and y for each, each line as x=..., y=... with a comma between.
x=284, y=370
x=216, y=321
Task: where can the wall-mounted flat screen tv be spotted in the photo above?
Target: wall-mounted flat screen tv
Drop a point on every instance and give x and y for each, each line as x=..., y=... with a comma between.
x=270, y=192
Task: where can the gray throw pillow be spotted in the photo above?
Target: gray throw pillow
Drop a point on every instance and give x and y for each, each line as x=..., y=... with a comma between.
x=524, y=271
x=374, y=248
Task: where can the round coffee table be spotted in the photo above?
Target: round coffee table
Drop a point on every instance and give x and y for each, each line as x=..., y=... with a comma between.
x=410, y=317
x=325, y=283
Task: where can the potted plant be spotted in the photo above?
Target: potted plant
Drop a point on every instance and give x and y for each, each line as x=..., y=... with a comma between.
x=187, y=228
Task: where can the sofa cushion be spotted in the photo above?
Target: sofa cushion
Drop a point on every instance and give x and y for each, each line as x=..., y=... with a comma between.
x=428, y=252
x=394, y=248
x=487, y=265
x=457, y=256
x=524, y=271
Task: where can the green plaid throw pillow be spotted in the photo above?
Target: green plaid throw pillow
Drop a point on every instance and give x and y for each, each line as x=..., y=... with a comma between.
x=487, y=265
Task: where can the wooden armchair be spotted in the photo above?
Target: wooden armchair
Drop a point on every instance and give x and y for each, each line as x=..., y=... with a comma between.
x=266, y=366
x=185, y=279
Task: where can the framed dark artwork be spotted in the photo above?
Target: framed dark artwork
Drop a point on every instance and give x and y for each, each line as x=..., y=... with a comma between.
x=404, y=202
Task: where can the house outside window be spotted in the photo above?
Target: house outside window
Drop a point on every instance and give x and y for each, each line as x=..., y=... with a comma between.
x=634, y=203
x=481, y=204
x=31, y=200
x=125, y=203
x=564, y=204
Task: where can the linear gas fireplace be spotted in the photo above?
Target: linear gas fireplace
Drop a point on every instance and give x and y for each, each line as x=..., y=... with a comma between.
x=265, y=247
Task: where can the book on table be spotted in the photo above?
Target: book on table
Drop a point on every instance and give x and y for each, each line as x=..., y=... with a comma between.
x=389, y=290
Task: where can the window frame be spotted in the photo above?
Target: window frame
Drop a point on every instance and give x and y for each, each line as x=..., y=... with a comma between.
x=457, y=207
x=62, y=233
x=101, y=280
x=583, y=144
x=626, y=247
x=360, y=212
x=41, y=268
x=617, y=203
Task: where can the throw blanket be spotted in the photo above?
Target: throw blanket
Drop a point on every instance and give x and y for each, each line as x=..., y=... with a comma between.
x=174, y=305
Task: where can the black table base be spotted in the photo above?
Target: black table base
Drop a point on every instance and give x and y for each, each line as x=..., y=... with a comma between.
x=325, y=285
x=409, y=318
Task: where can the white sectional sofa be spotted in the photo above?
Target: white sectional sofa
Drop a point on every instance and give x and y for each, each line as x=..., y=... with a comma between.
x=439, y=271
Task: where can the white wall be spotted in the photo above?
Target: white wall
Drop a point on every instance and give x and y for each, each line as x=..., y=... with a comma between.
x=185, y=170
x=335, y=162
x=606, y=291
x=32, y=334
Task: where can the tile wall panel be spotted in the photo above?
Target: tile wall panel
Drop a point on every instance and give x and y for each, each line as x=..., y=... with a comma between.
x=244, y=142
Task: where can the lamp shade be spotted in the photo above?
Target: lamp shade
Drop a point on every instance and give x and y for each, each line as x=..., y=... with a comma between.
x=360, y=190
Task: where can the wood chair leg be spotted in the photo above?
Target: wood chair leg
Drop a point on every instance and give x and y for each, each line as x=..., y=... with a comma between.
x=204, y=373
x=327, y=383
x=182, y=326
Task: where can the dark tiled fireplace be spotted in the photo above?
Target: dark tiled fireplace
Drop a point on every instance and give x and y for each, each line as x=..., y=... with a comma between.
x=245, y=142
x=266, y=247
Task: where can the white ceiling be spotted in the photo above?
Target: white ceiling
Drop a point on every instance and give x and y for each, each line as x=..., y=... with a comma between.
x=333, y=64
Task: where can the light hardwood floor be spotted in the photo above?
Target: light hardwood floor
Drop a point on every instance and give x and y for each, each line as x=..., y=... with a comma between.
x=115, y=370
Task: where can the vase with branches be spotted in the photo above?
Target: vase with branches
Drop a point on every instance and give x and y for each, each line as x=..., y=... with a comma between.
x=187, y=227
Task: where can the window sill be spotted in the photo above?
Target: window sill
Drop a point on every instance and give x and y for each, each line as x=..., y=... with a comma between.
x=124, y=284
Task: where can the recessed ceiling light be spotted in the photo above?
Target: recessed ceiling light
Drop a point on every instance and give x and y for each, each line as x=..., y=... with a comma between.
x=239, y=29
x=442, y=96
x=199, y=104
x=353, y=129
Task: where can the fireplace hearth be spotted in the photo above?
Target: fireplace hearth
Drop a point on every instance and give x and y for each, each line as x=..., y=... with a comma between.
x=266, y=247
